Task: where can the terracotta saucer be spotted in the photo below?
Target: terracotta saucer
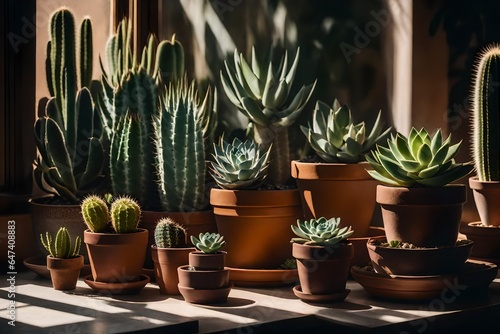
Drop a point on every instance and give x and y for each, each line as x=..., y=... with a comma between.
x=328, y=298
x=38, y=265
x=263, y=277
x=117, y=288
x=476, y=276
x=204, y=296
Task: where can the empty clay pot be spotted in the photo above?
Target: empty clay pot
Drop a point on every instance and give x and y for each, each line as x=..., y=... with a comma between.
x=486, y=195
x=64, y=273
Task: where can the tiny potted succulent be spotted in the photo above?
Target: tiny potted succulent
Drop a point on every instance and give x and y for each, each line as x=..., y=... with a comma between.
x=323, y=259
x=206, y=279
x=336, y=181
x=117, y=249
x=419, y=206
x=170, y=251
x=64, y=260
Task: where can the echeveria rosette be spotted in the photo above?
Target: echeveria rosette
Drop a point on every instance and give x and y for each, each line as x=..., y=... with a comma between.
x=335, y=138
x=417, y=160
x=320, y=232
x=208, y=242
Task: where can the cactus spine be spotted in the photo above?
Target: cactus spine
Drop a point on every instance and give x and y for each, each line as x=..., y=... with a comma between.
x=61, y=247
x=486, y=120
x=125, y=215
x=95, y=213
x=169, y=234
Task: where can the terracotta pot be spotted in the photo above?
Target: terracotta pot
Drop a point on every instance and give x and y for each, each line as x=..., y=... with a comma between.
x=337, y=190
x=64, y=272
x=419, y=261
x=202, y=279
x=49, y=218
x=166, y=261
x=202, y=261
x=323, y=270
x=20, y=226
x=361, y=257
x=486, y=195
x=116, y=258
x=486, y=241
x=425, y=217
x=194, y=223
x=256, y=225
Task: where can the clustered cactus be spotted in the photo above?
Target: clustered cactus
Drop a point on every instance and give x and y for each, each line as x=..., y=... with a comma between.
x=239, y=165
x=61, y=246
x=169, y=234
x=486, y=120
x=321, y=232
x=417, y=160
x=335, y=138
x=208, y=242
x=125, y=214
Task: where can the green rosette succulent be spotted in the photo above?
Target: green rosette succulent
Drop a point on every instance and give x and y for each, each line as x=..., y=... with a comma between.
x=335, y=138
x=320, y=232
x=417, y=160
x=208, y=242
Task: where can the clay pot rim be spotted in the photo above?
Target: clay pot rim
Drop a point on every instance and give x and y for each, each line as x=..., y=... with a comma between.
x=451, y=194
x=200, y=253
x=374, y=247
x=222, y=198
x=110, y=239
x=372, y=229
x=172, y=249
x=60, y=263
x=478, y=230
x=475, y=184
x=185, y=268
x=345, y=250
x=338, y=171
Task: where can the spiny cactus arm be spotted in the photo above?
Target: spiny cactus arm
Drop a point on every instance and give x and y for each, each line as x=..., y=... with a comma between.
x=47, y=243
x=169, y=62
x=148, y=55
x=119, y=156
x=94, y=165
x=70, y=113
x=206, y=117
x=86, y=53
x=62, y=243
x=48, y=69
x=76, y=249
x=84, y=129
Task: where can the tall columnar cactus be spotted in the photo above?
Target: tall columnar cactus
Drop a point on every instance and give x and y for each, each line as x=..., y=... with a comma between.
x=71, y=156
x=95, y=213
x=486, y=120
x=169, y=234
x=262, y=94
x=125, y=215
x=61, y=246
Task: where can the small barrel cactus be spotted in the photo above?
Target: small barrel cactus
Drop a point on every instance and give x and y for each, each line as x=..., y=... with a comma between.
x=95, y=213
x=320, y=232
x=208, y=242
x=125, y=215
x=169, y=234
x=61, y=246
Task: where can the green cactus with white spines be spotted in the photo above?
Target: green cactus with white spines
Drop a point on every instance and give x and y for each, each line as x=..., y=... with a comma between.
x=169, y=234
x=262, y=94
x=208, y=242
x=486, y=115
x=320, y=232
x=125, y=215
x=61, y=246
x=335, y=138
x=71, y=155
x=95, y=213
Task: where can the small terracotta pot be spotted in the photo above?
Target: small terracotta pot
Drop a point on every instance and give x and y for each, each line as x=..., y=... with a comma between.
x=323, y=270
x=419, y=261
x=486, y=241
x=116, y=258
x=486, y=195
x=64, y=272
x=166, y=261
x=202, y=279
x=256, y=225
x=337, y=190
x=203, y=261
x=425, y=217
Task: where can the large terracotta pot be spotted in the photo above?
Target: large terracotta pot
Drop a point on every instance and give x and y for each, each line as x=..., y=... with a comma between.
x=337, y=190
x=323, y=270
x=49, y=218
x=256, y=225
x=64, y=273
x=425, y=217
x=194, y=222
x=166, y=261
x=116, y=258
x=486, y=195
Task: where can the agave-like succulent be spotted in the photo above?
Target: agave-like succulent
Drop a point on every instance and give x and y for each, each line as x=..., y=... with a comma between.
x=335, y=138
x=239, y=165
x=320, y=232
x=417, y=160
x=208, y=242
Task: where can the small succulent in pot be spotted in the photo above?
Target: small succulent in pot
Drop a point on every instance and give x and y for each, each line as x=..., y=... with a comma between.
x=208, y=242
x=320, y=232
x=169, y=234
x=417, y=160
x=61, y=246
x=239, y=165
x=335, y=138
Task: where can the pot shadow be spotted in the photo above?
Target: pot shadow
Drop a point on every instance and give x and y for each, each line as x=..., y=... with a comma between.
x=147, y=294
x=344, y=305
x=231, y=302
